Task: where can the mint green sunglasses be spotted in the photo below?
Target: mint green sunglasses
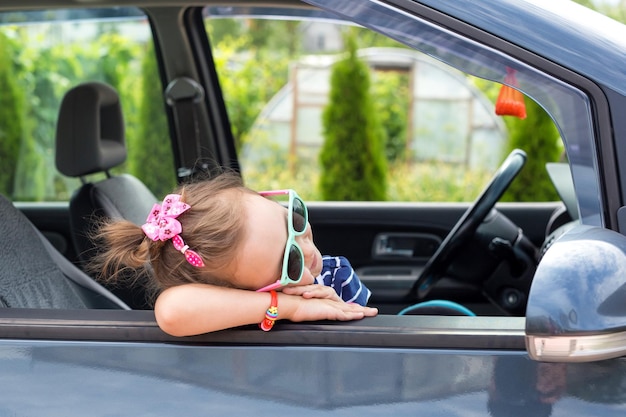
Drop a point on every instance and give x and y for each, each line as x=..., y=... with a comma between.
x=293, y=259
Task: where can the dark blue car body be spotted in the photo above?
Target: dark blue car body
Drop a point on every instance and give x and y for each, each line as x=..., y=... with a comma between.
x=563, y=358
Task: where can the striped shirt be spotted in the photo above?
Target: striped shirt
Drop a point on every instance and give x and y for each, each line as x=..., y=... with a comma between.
x=338, y=274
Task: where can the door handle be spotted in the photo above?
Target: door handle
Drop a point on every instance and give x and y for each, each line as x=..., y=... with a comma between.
x=385, y=245
x=405, y=245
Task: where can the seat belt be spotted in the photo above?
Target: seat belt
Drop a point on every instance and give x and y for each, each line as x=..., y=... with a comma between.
x=183, y=95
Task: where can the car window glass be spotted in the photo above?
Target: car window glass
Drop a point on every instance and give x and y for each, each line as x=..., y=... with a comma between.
x=569, y=107
x=442, y=137
x=50, y=52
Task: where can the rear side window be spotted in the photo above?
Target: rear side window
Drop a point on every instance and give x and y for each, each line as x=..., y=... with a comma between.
x=49, y=52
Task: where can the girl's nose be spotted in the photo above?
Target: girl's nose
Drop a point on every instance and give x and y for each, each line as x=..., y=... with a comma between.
x=306, y=237
x=303, y=241
x=307, y=245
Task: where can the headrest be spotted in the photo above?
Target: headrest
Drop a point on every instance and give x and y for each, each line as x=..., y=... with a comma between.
x=90, y=130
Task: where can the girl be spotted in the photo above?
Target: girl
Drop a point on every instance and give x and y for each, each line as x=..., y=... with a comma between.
x=215, y=248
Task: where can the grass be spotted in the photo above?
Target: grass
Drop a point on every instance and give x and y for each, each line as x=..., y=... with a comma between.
x=423, y=182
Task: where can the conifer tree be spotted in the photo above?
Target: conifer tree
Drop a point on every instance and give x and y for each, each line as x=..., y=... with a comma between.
x=352, y=158
x=539, y=138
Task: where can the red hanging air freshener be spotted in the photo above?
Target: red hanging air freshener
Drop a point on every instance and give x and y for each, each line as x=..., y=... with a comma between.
x=510, y=101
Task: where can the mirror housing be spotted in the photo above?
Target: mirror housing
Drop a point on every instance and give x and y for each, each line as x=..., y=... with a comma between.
x=577, y=303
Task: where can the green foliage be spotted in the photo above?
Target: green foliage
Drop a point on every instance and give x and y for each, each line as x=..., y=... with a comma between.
x=115, y=58
x=615, y=10
x=46, y=68
x=391, y=99
x=240, y=62
x=245, y=97
x=435, y=181
x=220, y=30
x=270, y=35
x=368, y=38
x=120, y=66
x=11, y=120
x=427, y=181
x=353, y=165
x=47, y=74
x=587, y=3
x=612, y=9
x=538, y=136
x=150, y=153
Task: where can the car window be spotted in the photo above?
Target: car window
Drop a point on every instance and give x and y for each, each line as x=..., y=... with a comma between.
x=569, y=107
x=51, y=51
x=441, y=135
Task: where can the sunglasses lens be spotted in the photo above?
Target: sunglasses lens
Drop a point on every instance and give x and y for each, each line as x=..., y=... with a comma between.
x=299, y=215
x=295, y=264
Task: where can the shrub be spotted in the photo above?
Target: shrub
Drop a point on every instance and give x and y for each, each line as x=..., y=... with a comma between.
x=152, y=163
x=11, y=120
x=538, y=136
x=352, y=158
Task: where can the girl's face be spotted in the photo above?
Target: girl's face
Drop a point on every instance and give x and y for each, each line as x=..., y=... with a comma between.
x=259, y=258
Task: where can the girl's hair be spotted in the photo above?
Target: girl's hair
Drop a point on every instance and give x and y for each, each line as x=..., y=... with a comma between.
x=213, y=227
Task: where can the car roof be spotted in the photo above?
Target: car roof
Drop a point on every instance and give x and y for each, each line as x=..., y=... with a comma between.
x=567, y=33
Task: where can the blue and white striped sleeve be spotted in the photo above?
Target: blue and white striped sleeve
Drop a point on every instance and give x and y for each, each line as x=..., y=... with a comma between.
x=347, y=284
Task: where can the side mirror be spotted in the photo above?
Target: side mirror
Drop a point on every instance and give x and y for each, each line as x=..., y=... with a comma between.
x=577, y=303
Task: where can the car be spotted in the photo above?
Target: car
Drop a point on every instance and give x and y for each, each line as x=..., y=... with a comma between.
x=486, y=307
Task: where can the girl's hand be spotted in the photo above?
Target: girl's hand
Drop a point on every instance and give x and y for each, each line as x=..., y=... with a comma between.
x=319, y=305
x=312, y=291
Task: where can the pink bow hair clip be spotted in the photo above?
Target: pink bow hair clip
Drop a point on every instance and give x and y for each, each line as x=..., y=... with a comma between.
x=192, y=257
x=162, y=225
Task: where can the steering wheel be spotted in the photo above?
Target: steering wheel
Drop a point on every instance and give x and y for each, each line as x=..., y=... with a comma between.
x=465, y=228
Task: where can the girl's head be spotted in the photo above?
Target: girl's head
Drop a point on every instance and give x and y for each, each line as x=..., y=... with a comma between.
x=240, y=236
x=277, y=241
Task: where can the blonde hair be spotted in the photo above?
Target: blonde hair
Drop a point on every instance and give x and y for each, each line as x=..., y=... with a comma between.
x=213, y=228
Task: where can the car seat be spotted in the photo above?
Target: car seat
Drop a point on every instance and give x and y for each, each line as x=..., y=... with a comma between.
x=90, y=139
x=35, y=275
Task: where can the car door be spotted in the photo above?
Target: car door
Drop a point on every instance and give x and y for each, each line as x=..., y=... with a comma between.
x=64, y=362
x=115, y=362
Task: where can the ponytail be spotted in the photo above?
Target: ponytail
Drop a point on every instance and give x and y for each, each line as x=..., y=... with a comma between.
x=124, y=252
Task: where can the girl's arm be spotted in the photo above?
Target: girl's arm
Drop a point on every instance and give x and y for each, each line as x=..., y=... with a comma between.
x=192, y=309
